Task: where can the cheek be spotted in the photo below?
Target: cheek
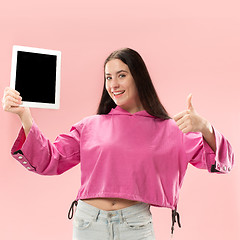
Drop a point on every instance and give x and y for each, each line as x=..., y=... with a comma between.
x=134, y=91
x=107, y=88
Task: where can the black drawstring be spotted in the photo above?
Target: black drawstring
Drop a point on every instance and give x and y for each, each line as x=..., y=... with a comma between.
x=174, y=214
x=70, y=213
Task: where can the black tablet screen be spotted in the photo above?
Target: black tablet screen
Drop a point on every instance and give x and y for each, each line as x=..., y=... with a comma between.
x=36, y=77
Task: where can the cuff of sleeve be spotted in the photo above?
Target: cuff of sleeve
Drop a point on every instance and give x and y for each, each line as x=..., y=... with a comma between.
x=218, y=162
x=210, y=156
x=19, y=141
x=19, y=156
x=17, y=149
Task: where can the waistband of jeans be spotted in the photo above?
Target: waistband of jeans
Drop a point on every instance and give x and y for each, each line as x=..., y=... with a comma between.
x=131, y=210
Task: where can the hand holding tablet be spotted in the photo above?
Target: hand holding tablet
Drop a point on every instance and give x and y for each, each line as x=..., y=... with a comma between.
x=35, y=73
x=11, y=101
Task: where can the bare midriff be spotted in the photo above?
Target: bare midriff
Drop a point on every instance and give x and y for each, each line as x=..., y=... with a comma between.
x=109, y=204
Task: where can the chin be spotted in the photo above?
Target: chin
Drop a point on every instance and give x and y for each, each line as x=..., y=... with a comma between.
x=120, y=104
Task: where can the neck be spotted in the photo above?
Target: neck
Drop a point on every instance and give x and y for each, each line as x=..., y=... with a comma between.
x=133, y=109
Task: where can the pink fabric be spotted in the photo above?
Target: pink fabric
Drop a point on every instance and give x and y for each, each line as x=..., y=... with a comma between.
x=123, y=155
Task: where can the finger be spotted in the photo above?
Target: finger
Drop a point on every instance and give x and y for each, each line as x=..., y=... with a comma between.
x=180, y=115
x=189, y=102
x=8, y=89
x=186, y=123
x=10, y=106
x=184, y=119
x=9, y=103
x=187, y=129
x=9, y=99
x=17, y=92
x=182, y=126
x=12, y=94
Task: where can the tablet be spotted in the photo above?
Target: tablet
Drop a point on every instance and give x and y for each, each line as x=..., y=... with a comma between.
x=35, y=73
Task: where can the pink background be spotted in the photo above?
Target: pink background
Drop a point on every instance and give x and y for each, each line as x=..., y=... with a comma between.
x=188, y=46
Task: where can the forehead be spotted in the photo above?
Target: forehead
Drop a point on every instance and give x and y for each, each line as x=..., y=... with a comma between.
x=115, y=65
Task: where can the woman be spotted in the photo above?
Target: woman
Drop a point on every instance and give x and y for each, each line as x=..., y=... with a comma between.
x=132, y=154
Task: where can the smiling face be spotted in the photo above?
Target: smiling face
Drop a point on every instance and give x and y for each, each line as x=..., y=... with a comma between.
x=121, y=86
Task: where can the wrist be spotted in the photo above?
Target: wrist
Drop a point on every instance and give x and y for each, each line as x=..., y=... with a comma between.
x=208, y=135
x=206, y=128
x=26, y=119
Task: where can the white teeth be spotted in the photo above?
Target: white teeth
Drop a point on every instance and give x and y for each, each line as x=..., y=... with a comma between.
x=118, y=93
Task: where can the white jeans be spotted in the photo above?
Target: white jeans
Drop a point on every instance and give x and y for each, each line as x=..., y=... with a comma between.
x=130, y=223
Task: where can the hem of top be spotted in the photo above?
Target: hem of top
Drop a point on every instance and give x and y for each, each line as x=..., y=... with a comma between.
x=124, y=196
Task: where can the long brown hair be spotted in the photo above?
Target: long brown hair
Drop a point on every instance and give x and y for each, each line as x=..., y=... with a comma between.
x=146, y=90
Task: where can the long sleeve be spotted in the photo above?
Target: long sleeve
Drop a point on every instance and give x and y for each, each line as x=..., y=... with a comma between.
x=36, y=153
x=200, y=154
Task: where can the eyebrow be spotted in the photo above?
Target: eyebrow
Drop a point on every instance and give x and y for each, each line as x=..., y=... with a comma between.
x=117, y=72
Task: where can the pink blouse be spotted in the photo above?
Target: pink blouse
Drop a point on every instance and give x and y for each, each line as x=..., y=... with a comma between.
x=123, y=155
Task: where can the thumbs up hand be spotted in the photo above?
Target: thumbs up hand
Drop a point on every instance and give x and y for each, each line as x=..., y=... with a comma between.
x=189, y=120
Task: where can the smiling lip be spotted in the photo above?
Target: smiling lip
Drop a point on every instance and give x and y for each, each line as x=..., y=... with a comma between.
x=118, y=93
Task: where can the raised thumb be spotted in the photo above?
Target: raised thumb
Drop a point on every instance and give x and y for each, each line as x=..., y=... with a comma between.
x=189, y=102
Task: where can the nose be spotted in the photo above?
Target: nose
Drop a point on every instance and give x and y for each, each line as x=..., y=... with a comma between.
x=114, y=83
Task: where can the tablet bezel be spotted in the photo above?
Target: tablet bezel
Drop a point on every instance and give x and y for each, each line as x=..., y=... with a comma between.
x=15, y=50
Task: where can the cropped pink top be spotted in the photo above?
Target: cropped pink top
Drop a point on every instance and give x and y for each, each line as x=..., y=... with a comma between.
x=123, y=155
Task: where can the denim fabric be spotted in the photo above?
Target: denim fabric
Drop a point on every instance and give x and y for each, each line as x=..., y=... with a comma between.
x=130, y=223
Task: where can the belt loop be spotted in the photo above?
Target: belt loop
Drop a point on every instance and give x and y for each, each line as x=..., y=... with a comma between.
x=121, y=216
x=96, y=216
